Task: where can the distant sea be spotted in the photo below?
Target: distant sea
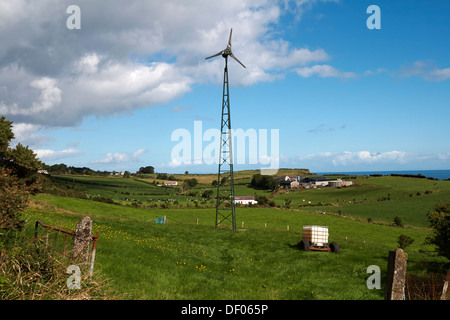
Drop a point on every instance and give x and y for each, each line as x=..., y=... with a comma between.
x=437, y=174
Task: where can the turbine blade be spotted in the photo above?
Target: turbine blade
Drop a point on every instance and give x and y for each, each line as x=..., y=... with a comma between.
x=215, y=55
x=229, y=40
x=232, y=55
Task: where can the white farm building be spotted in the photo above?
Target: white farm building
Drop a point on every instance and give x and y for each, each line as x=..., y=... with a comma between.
x=245, y=200
x=170, y=183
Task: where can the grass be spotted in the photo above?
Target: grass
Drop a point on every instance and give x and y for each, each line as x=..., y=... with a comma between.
x=29, y=271
x=185, y=260
x=182, y=260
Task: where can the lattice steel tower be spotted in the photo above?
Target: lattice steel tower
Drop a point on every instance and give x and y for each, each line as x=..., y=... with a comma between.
x=225, y=207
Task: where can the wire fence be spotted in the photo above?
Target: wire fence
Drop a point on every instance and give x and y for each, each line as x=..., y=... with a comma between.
x=61, y=242
x=430, y=287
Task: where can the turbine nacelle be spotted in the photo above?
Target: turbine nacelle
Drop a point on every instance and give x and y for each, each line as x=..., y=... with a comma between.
x=227, y=52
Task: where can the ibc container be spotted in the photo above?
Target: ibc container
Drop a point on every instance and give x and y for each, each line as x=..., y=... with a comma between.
x=316, y=235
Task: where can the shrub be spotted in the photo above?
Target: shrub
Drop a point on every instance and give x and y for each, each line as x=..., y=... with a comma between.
x=404, y=241
x=262, y=200
x=207, y=193
x=398, y=222
x=190, y=183
x=440, y=223
x=18, y=178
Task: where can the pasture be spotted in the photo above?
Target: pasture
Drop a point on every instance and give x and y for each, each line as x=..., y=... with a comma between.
x=186, y=260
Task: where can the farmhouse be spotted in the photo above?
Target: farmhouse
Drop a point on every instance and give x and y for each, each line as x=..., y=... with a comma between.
x=170, y=183
x=288, y=182
x=245, y=200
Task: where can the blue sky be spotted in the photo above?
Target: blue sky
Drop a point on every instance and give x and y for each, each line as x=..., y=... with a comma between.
x=343, y=97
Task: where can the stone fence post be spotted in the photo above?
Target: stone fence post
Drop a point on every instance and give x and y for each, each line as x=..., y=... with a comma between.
x=396, y=275
x=82, y=241
x=445, y=292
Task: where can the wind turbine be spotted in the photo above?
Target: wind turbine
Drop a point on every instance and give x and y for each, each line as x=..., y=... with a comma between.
x=225, y=181
x=227, y=52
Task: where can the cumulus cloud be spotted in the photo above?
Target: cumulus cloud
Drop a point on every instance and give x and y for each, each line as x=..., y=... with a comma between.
x=426, y=70
x=52, y=155
x=133, y=54
x=121, y=157
x=323, y=71
x=346, y=158
x=298, y=7
x=25, y=133
x=365, y=160
x=97, y=86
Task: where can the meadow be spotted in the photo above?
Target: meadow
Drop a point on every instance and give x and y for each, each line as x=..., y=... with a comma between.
x=184, y=260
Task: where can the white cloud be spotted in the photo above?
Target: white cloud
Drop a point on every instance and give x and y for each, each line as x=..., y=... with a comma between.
x=51, y=155
x=346, y=158
x=133, y=54
x=121, y=157
x=323, y=71
x=25, y=133
x=298, y=7
x=365, y=160
x=426, y=70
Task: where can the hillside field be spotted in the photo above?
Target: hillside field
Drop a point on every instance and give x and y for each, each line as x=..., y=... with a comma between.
x=261, y=260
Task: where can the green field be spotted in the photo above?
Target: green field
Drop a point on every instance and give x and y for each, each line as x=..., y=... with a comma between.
x=185, y=260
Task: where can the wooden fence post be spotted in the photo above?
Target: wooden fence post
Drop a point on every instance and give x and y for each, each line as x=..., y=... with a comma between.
x=396, y=275
x=82, y=240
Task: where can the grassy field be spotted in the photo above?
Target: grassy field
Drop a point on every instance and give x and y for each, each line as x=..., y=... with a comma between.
x=375, y=198
x=185, y=260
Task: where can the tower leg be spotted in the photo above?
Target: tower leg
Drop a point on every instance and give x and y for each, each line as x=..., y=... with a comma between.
x=225, y=206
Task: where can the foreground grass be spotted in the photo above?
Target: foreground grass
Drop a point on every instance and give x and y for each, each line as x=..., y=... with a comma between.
x=182, y=260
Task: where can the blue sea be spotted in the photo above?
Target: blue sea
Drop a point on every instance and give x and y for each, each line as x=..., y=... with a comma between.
x=437, y=174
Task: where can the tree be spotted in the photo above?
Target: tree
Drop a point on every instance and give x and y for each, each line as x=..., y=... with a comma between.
x=440, y=223
x=207, y=193
x=147, y=169
x=264, y=182
x=18, y=178
x=190, y=183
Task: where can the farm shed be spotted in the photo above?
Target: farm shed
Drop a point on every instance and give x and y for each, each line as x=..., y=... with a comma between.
x=339, y=183
x=170, y=183
x=316, y=181
x=245, y=200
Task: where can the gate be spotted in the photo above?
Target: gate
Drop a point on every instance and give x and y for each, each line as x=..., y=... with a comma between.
x=61, y=241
